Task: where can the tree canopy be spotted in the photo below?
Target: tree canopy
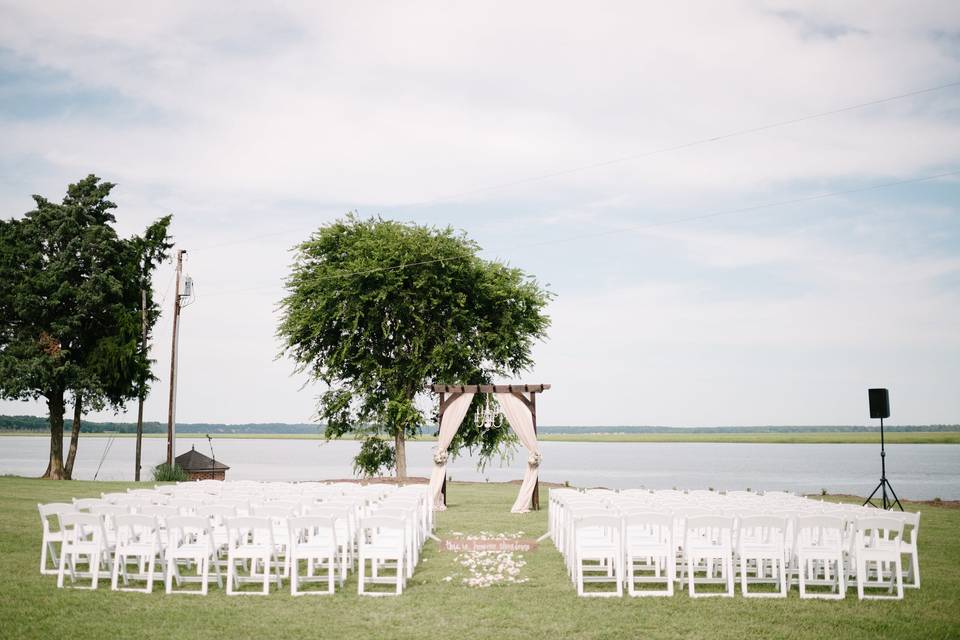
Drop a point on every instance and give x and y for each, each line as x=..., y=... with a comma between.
x=70, y=306
x=377, y=310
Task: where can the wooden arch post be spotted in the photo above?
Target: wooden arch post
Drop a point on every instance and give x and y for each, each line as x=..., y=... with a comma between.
x=526, y=392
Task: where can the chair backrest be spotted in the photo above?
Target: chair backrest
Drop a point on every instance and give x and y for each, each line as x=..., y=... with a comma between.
x=182, y=530
x=876, y=530
x=708, y=529
x=312, y=530
x=822, y=531
x=911, y=527
x=249, y=530
x=277, y=514
x=376, y=524
x=649, y=526
x=108, y=514
x=762, y=529
x=597, y=521
x=83, y=529
x=50, y=515
x=160, y=512
x=185, y=506
x=84, y=504
x=137, y=529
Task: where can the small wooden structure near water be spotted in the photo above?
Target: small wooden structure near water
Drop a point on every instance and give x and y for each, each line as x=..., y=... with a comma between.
x=201, y=467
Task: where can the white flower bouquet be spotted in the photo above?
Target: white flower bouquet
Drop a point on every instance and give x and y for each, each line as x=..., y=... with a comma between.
x=535, y=459
x=440, y=458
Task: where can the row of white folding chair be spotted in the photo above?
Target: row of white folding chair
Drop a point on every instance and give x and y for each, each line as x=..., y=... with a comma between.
x=747, y=550
x=192, y=540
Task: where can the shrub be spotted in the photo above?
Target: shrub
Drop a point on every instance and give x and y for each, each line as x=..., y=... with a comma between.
x=163, y=472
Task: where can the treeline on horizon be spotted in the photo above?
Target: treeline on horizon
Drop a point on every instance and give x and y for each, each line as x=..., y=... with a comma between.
x=38, y=424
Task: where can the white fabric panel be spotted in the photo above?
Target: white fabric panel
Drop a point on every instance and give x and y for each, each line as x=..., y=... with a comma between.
x=449, y=424
x=521, y=420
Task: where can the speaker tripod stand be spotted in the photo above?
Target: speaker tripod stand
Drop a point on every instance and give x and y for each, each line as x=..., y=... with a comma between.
x=884, y=483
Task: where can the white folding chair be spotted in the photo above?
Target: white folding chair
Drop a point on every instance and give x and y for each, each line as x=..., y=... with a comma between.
x=598, y=538
x=648, y=537
x=189, y=542
x=878, y=544
x=818, y=554
x=707, y=539
x=83, y=536
x=313, y=539
x=52, y=539
x=138, y=538
x=251, y=544
x=346, y=537
x=278, y=513
x=383, y=543
x=911, y=529
x=409, y=518
x=761, y=544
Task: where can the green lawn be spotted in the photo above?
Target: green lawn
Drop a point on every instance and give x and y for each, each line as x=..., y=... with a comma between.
x=32, y=607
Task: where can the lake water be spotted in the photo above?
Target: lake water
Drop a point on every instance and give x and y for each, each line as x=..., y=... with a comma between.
x=920, y=472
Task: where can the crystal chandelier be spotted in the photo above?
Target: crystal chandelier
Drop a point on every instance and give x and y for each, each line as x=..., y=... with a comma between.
x=489, y=417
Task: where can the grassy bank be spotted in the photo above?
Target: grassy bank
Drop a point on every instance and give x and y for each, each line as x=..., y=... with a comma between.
x=799, y=437
x=546, y=606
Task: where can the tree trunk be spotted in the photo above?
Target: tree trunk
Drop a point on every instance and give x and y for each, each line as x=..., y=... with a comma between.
x=400, y=454
x=55, y=406
x=74, y=436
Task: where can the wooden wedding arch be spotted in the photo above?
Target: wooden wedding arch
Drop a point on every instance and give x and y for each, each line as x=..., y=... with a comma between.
x=525, y=392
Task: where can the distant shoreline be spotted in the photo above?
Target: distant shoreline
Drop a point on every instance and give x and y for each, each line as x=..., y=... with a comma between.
x=797, y=437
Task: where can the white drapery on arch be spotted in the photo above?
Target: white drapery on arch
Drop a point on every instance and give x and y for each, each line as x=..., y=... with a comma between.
x=521, y=421
x=452, y=417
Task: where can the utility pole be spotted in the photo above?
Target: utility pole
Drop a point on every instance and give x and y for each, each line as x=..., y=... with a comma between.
x=172, y=407
x=140, y=394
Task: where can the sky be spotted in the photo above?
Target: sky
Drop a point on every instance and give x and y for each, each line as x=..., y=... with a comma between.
x=767, y=277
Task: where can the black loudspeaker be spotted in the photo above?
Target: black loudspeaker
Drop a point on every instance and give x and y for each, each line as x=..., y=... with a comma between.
x=879, y=403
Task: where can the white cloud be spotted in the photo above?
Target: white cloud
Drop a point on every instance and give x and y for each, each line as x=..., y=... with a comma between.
x=247, y=121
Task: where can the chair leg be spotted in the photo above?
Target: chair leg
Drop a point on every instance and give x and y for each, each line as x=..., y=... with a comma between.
x=841, y=577
x=861, y=576
x=266, y=575
x=728, y=564
x=671, y=571
x=362, y=569
x=400, y=574
x=61, y=569
x=295, y=574
x=115, y=574
x=783, y=576
x=231, y=571
x=151, y=567
x=331, y=570
x=743, y=577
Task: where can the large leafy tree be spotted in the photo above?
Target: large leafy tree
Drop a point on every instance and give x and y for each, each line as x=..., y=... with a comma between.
x=377, y=310
x=70, y=308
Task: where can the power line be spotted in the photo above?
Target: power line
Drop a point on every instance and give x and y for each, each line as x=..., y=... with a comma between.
x=634, y=228
x=627, y=158
x=687, y=145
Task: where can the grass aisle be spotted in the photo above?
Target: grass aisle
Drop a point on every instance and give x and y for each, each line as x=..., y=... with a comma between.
x=544, y=607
